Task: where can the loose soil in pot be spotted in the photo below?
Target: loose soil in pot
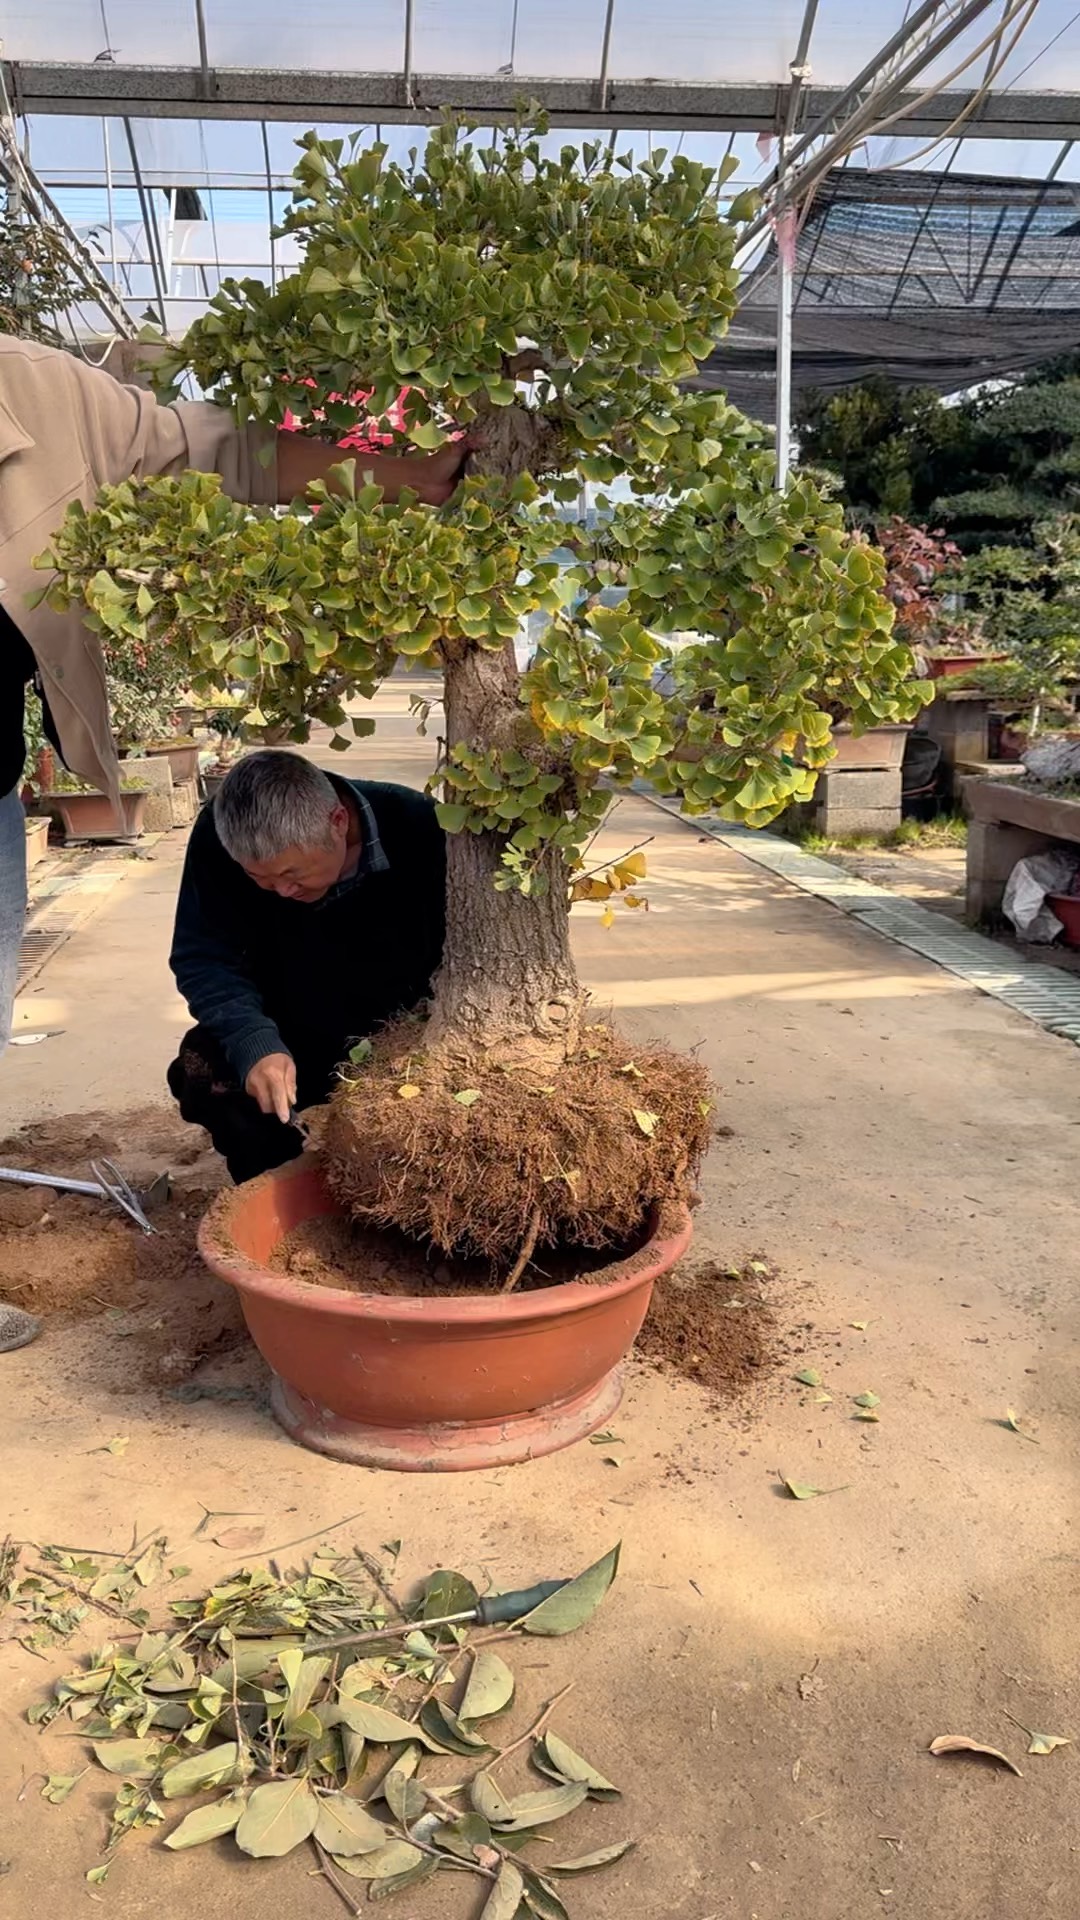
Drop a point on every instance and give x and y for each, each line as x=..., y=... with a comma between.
x=331, y=1252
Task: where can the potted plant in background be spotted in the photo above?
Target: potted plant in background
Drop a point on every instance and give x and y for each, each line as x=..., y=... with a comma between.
x=86, y=813
x=551, y=305
x=918, y=564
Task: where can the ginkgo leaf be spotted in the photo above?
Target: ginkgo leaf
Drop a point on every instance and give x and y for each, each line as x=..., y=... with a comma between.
x=408, y=1090
x=808, y=1377
x=800, y=1490
x=646, y=1121
x=1012, y=1421
x=1041, y=1743
x=467, y=1097
x=867, y=1400
x=959, y=1743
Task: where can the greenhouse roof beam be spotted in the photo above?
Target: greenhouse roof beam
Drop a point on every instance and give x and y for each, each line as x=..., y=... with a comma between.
x=245, y=93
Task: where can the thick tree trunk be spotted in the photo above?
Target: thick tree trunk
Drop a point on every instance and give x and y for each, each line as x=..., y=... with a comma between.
x=507, y=979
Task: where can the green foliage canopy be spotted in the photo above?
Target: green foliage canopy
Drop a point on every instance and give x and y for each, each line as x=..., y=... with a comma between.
x=551, y=307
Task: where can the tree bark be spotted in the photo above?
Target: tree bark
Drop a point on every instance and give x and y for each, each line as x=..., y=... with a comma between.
x=507, y=978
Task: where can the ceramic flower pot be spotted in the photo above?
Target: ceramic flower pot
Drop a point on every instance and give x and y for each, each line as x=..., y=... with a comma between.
x=474, y=1380
x=182, y=756
x=88, y=815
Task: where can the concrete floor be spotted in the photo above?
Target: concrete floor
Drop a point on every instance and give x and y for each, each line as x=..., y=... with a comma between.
x=904, y=1150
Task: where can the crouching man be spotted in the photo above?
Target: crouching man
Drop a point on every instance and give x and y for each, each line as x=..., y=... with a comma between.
x=311, y=911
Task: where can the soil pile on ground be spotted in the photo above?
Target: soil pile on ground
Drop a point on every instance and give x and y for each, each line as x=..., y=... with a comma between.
x=714, y=1325
x=72, y=1256
x=331, y=1252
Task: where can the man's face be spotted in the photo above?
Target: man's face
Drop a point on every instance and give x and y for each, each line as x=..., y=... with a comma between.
x=305, y=873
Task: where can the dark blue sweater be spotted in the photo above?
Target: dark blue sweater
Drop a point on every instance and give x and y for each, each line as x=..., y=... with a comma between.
x=267, y=975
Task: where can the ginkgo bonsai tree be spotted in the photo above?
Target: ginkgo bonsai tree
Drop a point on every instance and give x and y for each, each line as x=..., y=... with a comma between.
x=551, y=307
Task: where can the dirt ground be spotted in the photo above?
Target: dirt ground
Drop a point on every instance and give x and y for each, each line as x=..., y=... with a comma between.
x=767, y=1674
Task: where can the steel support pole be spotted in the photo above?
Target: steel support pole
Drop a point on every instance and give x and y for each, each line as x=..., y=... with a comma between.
x=785, y=279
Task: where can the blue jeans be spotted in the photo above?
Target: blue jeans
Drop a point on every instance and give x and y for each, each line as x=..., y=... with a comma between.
x=12, y=903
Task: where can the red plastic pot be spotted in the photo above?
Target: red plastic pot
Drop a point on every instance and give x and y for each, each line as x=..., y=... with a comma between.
x=474, y=1380
x=1067, y=908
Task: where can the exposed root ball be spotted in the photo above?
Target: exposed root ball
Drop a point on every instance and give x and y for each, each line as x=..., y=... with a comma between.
x=574, y=1158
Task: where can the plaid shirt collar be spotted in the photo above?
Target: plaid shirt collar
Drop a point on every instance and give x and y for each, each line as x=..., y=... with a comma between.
x=372, y=852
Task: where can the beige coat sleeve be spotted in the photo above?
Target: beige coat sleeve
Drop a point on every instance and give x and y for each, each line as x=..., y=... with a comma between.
x=124, y=431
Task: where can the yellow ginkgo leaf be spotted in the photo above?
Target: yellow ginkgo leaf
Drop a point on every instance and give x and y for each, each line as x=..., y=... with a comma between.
x=607, y=918
x=408, y=1090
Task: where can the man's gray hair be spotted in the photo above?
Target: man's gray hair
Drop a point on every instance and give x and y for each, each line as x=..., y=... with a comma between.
x=271, y=801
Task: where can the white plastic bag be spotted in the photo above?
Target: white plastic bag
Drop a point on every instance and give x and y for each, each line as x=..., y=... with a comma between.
x=1027, y=887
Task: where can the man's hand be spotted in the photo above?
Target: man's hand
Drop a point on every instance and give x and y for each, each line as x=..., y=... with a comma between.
x=431, y=476
x=272, y=1084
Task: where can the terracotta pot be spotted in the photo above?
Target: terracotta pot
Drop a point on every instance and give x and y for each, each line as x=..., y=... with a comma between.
x=92, y=816
x=1067, y=908
x=422, y=1385
x=37, y=840
x=880, y=747
x=182, y=755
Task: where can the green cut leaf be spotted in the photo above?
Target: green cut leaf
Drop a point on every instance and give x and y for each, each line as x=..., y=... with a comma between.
x=590, y=1862
x=867, y=1400
x=444, y=1727
x=565, y=1611
x=468, y=1097
x=541, y=1899
x=504, y=1899
x=207, y=1823
x=385, y=1887
x=550, y=1803
x=220, y=1766
x=491, y=1684
x=464, y=1836
x=277, y=1817
x=382, y=1726
x=808, y=1377
x=395, y=1858
x=97, y=1876
x=59, y=1786
x=343, y=1826
x=134, y=1759
x=448, y=1592
x=489, y=1802
x=555, y=1758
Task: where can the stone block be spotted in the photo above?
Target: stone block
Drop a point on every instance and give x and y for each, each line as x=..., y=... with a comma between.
x=185, y=802
x=154, y=773
x=840, y=822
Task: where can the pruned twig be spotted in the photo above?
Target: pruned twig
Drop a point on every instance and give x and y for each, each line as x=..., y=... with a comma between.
x=536, y=1729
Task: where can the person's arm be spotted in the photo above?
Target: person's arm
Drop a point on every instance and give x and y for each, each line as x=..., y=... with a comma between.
x=208, y=963
x=124, y=433
x=432, y=476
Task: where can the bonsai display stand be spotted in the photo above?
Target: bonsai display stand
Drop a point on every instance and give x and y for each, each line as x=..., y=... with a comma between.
x=959, y=723
x=1009, y=822
x=860, y=791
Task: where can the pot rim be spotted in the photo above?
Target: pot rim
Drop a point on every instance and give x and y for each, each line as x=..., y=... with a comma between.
x=658, y=1254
